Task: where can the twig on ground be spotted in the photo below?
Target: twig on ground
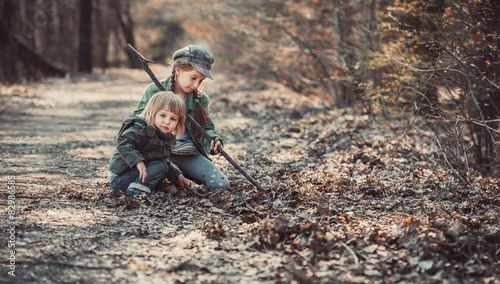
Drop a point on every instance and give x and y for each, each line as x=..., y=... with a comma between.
x=353, y=254
x=194, y=192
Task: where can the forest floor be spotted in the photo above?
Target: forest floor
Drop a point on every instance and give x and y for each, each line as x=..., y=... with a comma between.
x=345, y=202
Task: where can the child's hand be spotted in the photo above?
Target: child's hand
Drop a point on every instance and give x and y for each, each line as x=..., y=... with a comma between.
x=182, y=181
x=143, y=173
x=215, y=146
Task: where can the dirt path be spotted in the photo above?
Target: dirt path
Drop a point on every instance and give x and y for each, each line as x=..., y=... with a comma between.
x=342, y=204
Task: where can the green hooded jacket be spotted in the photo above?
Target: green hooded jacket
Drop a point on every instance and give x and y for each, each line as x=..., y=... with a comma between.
x=138, y=141
x=201, y=143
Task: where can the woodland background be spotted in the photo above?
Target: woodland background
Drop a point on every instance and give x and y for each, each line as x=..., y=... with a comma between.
x=373, y=124
x=436, y=59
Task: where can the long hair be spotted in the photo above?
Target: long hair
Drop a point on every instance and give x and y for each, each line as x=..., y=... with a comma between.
x=166, y=101
x=200, y=114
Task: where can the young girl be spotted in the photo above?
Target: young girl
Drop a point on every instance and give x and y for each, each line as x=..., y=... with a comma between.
x=191, y=65
x=141, y=157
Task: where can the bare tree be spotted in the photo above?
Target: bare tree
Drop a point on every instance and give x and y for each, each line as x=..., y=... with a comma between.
x=85, y=37
x=126, y=24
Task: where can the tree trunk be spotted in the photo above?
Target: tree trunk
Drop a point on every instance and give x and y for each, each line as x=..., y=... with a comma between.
x=101, y=39
x=39, y=62
x=127, y=25
x=85, y=32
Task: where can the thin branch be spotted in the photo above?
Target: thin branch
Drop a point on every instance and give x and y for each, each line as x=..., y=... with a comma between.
x=413, y=68
x=471, y=92
x=448, y=162
x=304, y=46
x=485, y=78
x=463, y=150
x=467, y=76
x=464, y=119
x=415, y=116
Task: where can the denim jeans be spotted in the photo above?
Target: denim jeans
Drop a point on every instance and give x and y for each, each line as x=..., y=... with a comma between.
x=201, y=170
x=130, y=182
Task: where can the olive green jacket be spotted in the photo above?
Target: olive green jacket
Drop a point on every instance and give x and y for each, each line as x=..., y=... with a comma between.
x=201, y=143
x=137, y=142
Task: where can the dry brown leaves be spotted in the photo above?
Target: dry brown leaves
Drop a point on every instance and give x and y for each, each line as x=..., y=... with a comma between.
x=342, y=205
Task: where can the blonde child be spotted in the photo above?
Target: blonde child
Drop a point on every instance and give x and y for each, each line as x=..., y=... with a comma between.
x=141, y=159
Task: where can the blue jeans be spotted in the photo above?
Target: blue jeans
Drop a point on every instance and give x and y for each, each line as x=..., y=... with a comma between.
x=130, y=182
x=201, y=170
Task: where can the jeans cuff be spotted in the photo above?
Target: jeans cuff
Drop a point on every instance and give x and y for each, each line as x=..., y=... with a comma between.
x=140, y=187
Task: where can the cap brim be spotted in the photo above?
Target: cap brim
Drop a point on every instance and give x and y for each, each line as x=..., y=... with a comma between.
x=204, y=71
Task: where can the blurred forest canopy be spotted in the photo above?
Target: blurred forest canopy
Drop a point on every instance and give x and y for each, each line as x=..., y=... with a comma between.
x=438, y=60
x=52, y=37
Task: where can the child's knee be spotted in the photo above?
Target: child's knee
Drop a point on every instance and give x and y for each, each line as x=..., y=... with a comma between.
x=217, y=182
x=158, y=167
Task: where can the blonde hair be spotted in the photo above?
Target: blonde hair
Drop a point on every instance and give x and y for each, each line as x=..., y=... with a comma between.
x=166, y=101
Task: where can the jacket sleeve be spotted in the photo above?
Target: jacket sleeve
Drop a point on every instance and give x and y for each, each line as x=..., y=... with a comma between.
x=210, y=126
x=173, y=172
x=127, y=144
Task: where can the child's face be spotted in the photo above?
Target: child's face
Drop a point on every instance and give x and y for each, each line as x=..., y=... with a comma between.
x=188, y=81
x=166, y=121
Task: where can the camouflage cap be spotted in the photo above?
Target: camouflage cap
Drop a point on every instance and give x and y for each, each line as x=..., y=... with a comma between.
x=198, y=57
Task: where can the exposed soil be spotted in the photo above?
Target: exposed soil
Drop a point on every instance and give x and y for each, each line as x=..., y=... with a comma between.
x=342, y=204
